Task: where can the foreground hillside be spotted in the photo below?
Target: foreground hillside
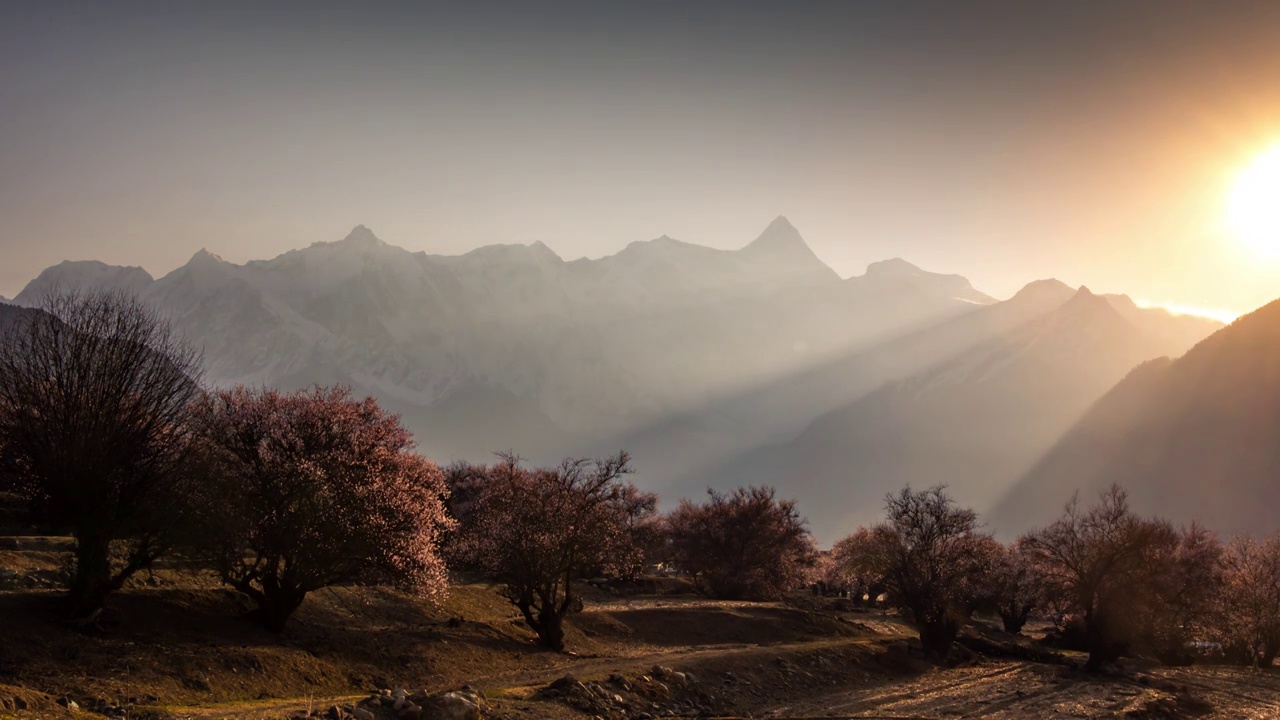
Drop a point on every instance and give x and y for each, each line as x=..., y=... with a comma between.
x=170, y=647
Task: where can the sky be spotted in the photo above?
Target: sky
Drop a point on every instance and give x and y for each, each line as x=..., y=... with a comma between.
x=1095, y=142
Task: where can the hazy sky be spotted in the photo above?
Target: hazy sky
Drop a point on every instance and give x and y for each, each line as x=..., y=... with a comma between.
x=1008, y=141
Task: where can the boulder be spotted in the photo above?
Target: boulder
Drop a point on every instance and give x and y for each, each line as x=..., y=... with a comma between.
x=456, y=705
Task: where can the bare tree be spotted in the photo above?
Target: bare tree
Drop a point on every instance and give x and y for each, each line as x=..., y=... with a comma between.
x=935, y=563
x=94, y=398
x=1102, y=564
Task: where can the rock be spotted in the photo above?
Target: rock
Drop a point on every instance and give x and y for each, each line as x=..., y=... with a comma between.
x=335, y=713
x=679, y=677
x=362, y=714
x=454, y=706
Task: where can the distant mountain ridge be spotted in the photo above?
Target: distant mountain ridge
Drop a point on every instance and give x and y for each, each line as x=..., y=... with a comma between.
x=714, y=367
x=537, y=350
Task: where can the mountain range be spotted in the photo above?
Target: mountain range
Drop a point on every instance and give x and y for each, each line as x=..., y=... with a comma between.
x=714, y=367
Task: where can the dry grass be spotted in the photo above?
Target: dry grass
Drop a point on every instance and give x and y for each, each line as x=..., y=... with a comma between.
x=171, y=641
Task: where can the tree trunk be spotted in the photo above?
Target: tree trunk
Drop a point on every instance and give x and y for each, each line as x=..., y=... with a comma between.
x=551, y=629
x=1270, y=648
x=1103, y=648
x=276, y=607
x=936, y=638
x=1014, y=617
x=92, y=580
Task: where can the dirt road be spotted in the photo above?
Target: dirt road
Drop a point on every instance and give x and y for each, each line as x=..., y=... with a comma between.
x=1020, y=690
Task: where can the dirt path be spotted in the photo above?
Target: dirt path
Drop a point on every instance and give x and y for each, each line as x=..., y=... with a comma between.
x=1014, y=690
x=519, y=682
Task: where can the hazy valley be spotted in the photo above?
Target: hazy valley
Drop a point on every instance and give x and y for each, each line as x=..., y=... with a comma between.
x=714, y=368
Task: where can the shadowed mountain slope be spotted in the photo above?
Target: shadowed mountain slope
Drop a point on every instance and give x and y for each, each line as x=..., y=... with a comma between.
x=975, y=421
x=1193, y=438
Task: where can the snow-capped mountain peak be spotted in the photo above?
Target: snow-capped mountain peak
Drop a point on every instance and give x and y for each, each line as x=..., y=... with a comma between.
x=72, y=275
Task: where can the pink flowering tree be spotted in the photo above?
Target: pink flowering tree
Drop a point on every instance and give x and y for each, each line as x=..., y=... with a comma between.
x=747, y=544
x=537, y=530
x=860, y=562
x=313, y=489
x=1248, y=617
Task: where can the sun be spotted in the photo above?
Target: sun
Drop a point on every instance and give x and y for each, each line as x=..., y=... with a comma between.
x=1253, y=209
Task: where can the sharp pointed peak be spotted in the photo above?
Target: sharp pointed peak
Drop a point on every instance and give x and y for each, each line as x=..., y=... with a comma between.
x=204, y=256
x=779, y=234
x=1085, y=296
x=782, y=239
x=363, y=235
x=780, y=223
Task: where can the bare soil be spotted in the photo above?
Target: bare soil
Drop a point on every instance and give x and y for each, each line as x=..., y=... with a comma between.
x=174, y=646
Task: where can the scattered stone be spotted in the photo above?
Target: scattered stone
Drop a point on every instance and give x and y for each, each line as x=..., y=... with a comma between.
x=457, y=705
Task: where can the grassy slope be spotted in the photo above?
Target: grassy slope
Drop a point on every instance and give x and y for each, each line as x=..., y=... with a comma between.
x=172, y=642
